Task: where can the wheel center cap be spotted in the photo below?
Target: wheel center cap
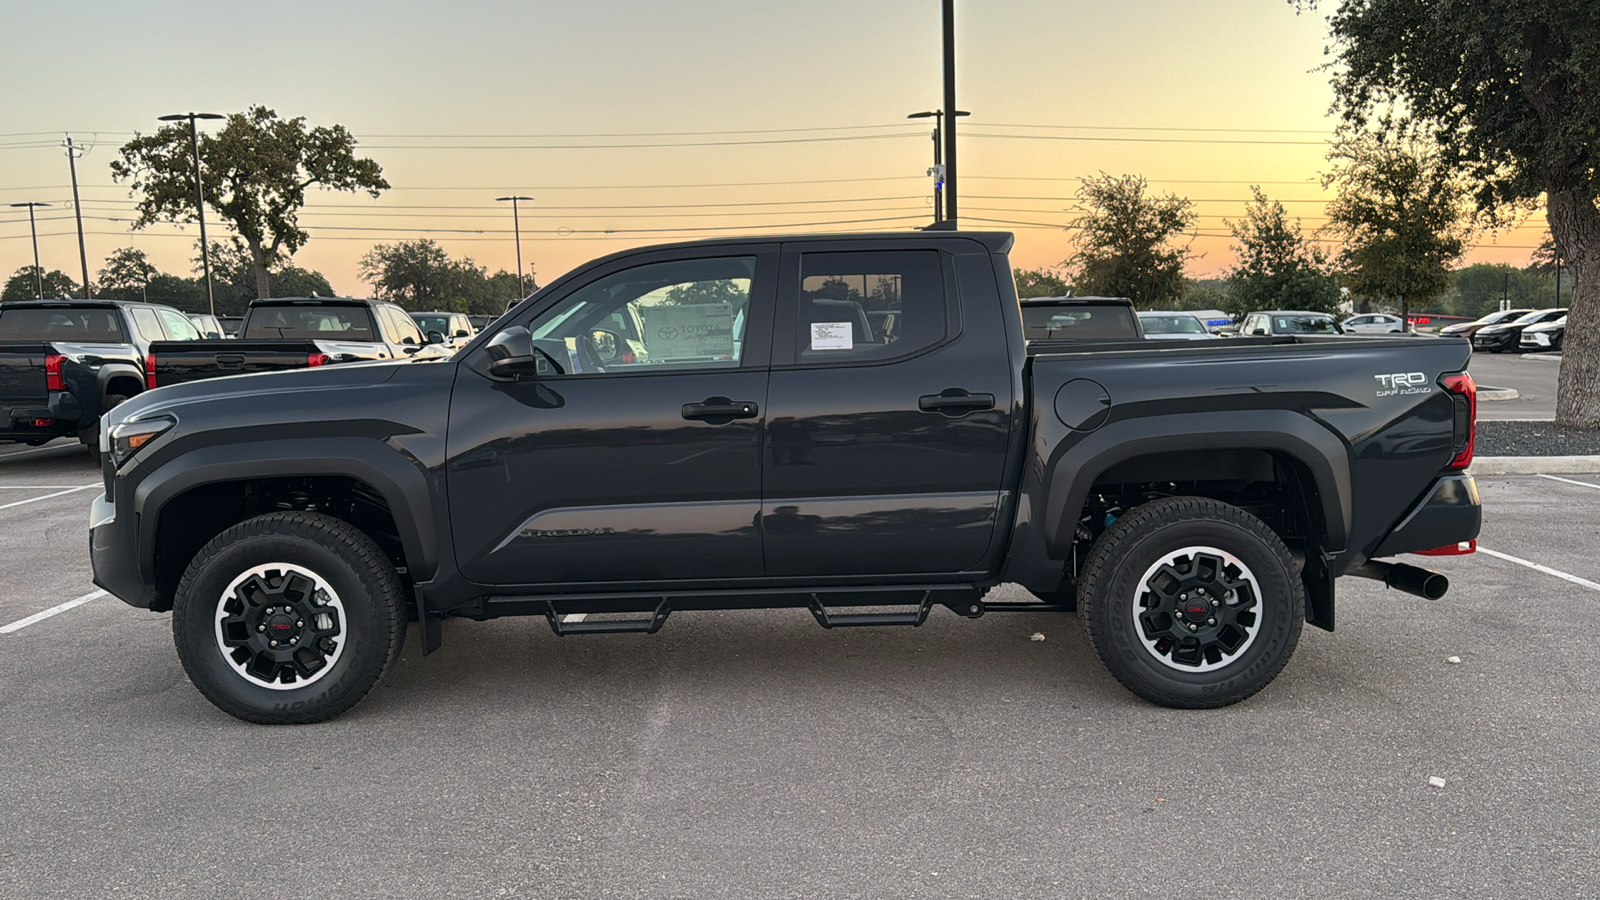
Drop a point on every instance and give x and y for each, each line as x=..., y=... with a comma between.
x=1195, y=610
x=280, y=627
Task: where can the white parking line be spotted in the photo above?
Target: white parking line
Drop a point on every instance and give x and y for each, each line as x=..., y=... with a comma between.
x=1570, y=481
x=43, y=487
x=1538, y=568
x=41, y=616
x=48, y=496
x=34, y=450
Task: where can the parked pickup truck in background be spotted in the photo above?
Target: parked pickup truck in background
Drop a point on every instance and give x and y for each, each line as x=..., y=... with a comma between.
x=295, y=333
x=852, y=425
x=64, y=362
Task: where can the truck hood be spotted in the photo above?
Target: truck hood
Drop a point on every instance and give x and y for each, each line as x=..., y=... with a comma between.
x=236, y=389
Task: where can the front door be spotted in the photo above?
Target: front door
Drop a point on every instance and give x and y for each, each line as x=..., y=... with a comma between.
x=639, y=460
x=889, y=414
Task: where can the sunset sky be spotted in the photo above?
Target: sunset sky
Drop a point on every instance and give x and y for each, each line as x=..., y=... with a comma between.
x=634, y=122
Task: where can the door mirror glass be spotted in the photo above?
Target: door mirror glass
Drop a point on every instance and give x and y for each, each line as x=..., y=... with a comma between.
x=435, y=337
x=606, y=344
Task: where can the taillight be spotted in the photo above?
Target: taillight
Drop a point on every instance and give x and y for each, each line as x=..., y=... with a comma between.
x=150, y=370
x=628, y=358
x=52, y=373
x=1458, y=549
x=1465, y=433
x=316, y=359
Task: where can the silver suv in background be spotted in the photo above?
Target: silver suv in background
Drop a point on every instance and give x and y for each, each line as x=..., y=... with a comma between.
x=1174, y=326
x=1281, y=322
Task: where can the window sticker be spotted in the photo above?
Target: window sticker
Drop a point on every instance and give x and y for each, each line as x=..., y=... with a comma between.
x=832, y=336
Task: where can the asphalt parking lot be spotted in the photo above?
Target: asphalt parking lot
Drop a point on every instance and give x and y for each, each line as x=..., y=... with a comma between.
x=752, y=754
x=1532, y=375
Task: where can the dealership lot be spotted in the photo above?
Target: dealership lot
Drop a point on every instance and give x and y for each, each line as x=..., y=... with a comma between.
x=752, y=754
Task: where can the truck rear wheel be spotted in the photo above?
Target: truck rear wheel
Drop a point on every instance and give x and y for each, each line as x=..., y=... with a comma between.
x=288, y=618
x=1191, y=603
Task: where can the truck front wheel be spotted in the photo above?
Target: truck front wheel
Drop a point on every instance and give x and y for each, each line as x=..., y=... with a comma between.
x=1191, y=603
x=288, y=618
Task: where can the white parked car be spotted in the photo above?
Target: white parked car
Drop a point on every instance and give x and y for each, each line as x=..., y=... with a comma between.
x=1374, y=323
x=1174, y=326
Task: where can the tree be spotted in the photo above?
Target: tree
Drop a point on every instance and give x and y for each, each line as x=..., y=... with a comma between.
x=1278, y=267
x=126, y=275
x=1478, y=289
x=24, y=285
x=1400, y=212
x=233, y=278
x=1206, y=293
x=419, y=275
x=256, y=169
x=1126, y=243
x=1507, y=90
x=1040, y=283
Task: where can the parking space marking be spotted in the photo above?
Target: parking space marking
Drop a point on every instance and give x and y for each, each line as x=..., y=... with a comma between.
x=1570, y=481
x=48, y=496
x=1538, y=568
x=54, y=610
x=34, y=450
x=44, y=487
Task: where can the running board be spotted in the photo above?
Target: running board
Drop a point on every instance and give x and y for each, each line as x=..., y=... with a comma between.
x=914, y=617
x=649, y=625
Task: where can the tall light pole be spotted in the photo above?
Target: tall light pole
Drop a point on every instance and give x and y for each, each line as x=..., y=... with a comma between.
x=38, y=273
x=516, y=224
x=199, y=195
x=938, y=169
x=949, y=17
x=77, y=210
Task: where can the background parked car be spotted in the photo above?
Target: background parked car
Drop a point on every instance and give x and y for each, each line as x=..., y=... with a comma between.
x=1278, y=322
x=1508, y=336
x=231, y=325
x=454, y=328
x=209, y=327
x=1373, y=323
x=1174, y=326
x=1468, y=329
x=1545, y=336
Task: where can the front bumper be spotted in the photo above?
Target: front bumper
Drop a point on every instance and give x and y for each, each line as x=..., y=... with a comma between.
x=1451, y=513
x=1495, y=341
x=114, y=556
x=1538, y=340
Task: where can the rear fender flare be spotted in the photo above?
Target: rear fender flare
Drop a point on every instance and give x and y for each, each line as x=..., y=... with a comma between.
x=1075, y=467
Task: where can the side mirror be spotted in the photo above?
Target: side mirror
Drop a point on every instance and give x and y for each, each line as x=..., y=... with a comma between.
x=512, y=353
x=435, y=337
x=463, y=334
x=1260, y=331
x=606, y=344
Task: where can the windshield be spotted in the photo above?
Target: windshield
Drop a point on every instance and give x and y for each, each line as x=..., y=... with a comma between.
x=1304, y=325
x=1077, y=322
x=333, y=323
x=1171, y=325
x=62, y=324
x=1495, y=318
x=1532, y=318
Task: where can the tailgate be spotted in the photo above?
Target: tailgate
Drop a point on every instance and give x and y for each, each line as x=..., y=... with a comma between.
x=22, y=377
x=176, y=362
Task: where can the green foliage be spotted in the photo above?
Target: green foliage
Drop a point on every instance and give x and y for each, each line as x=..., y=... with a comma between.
x=187, y=294
x=24, y=285
x=233, y=278
x=125, y=274
x=255, y=169
x=1278, y=266
x=419, y=275
x=708, y=292
x=1042, y=282
x=1127, y=241
x=1210, y=293
x=1400, y=212
x=1478, y=289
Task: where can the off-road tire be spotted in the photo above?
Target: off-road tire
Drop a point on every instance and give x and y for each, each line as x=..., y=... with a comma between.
x=360, y=575
x=1111, y=587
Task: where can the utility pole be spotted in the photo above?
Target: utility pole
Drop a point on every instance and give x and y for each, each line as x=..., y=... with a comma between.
x=516, y=224
x=950, y=106
x=77, y=210
x=938, y=170
x=38, y=273
x=199, y=196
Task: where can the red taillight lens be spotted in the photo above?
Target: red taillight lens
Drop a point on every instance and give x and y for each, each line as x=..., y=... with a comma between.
x=43, y=423
x=52, y=373
x=150, y=370
x=628, y=358
x=317, y=359
x=1466, y=419
x=1461, y=549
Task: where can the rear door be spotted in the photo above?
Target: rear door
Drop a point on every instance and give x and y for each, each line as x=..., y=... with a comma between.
x=630, y=464
x=890, y=410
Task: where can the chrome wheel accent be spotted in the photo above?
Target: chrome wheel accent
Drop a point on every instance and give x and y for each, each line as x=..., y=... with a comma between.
x=1197, y=609
x=280, y=626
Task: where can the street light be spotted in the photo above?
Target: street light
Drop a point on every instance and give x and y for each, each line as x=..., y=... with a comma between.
x=199, y=195
x=937, y=115
x=38, y=273
x=516, y=224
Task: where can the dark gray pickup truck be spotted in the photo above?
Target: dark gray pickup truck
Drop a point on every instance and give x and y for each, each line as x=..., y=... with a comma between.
x=851, y=425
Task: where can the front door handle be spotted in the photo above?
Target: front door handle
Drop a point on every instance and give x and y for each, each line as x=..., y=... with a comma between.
x=955, y=402
x=713, y=409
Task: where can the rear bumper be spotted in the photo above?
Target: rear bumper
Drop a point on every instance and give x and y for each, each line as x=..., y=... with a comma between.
x=61, y=407
x=113, y=554
x=1451, y=513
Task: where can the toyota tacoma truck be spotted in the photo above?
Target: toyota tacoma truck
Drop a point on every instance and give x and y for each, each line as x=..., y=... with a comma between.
x=852, y=425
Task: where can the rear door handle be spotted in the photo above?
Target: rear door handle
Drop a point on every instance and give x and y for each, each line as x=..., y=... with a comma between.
x=955, y=402
x=721, y=408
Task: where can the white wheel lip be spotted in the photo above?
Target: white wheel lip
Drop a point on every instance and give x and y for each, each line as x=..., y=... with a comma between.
x=1141, y=588
x=220, y=613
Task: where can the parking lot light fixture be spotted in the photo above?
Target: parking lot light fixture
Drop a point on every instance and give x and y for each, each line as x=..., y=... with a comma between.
x=937, y=115
x=38, y=273
x=199, y=196
x=516, y=225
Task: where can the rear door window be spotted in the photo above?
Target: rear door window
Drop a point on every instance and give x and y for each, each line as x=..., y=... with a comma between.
x=179, y=328
x=101, y=325
x=860, y=306
x=149, y=327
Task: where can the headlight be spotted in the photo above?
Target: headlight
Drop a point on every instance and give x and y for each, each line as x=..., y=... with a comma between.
x=129, y=438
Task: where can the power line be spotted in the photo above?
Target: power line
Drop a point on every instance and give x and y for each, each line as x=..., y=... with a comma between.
x=1143, y=140
x=639, y=146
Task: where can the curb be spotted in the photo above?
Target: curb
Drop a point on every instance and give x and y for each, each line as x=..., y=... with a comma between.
x=1495, y=393
x=1535, y=465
